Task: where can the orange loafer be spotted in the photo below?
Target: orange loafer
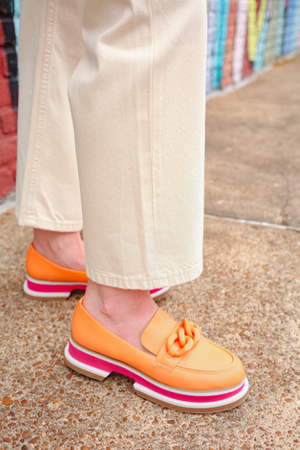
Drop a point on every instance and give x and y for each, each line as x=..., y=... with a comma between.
x=184, y=371
x=46, y=280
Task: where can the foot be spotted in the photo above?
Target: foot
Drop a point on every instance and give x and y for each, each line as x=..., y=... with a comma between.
x=125, y=313
x=64, y=249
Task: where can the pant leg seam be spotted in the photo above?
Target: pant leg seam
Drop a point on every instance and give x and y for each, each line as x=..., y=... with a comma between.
x=151, y=135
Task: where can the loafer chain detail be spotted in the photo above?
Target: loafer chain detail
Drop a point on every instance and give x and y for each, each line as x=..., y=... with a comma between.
x=185, y=338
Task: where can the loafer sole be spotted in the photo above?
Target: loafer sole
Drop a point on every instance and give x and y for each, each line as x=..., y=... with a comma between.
x=98, y=366
x=52, y=290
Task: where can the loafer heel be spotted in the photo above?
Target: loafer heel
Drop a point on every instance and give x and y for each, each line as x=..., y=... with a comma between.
x=83, y=368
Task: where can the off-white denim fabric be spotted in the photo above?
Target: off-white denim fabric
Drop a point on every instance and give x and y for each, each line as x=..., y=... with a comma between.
x=130, y=148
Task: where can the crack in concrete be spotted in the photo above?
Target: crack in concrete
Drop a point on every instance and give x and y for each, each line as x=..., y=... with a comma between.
x=254, y=222
x=283, y=213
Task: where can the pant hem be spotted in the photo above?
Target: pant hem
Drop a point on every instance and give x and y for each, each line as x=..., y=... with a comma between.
x=49, y=225
x=144, y=283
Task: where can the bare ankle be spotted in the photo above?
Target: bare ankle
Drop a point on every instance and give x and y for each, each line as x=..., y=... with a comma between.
x=124, y=312
x=63, y=248
x=112, y=301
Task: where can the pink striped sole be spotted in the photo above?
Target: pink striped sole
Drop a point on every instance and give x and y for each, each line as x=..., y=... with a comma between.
x=154, y=291
x=52, y=288
x=98, y=363
x=49, y=288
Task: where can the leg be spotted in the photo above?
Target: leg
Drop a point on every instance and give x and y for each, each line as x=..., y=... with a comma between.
x=48, y=196
x=138, y=105
x=137, y=99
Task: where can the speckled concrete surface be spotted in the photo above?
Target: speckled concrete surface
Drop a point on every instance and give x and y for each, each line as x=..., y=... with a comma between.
x=247, y=299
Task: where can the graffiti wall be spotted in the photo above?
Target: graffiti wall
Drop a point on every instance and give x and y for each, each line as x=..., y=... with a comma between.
x=243, y=37
x=8, y=97
x=246, y=35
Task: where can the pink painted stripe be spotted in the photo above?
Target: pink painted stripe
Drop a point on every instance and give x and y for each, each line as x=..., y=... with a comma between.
x=54, y=287
x=110, y=367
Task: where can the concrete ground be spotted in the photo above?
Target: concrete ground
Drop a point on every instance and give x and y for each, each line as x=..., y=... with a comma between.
x=247, y=299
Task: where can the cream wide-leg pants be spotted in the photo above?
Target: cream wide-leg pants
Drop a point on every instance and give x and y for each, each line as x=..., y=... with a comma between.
x=111, y=129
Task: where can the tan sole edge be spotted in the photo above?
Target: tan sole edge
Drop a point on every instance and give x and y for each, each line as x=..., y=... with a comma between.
x=193, y=410
x=82, y=371
x=162, y=295
x=45, y=299
x=159, y=402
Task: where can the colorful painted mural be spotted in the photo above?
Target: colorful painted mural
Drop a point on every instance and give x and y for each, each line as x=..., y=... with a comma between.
x=243, y=36
x=246, y=35
x=8, y=98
